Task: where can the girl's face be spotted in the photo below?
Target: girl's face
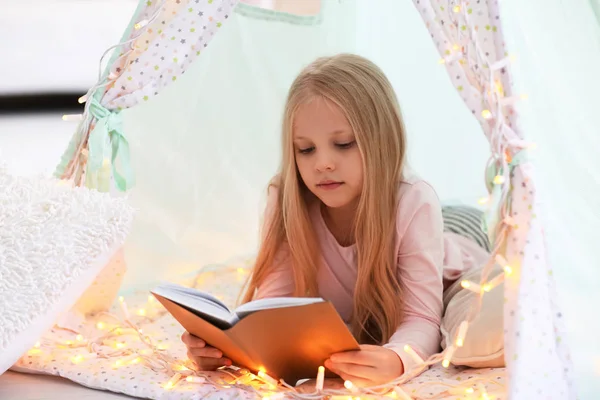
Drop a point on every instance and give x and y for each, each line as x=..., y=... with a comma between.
x=326, y=153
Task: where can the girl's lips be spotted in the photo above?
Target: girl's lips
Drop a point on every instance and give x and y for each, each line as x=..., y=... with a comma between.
x=329, y=185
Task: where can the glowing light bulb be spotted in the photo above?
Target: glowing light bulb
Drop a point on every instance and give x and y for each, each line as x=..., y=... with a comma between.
x=462, y=332
x=483, y=200
x=267, y=379
x=173, y=381
x=499, y=179
x=499, y=88
x=486, y=114
x=77, y=359
x=456, y=9
x=79, y=338
x=508, y=269
x=456, y=47
x=121, y=299
x=413, y=354
x=469, y=390
x=72, y=117
x=100, y=325
x=448, y=356
x=82, y=99
x=498, y=279
x=140, y=24
x=195, y=379
x=142, y=312
x=320, y=378
x=474, y=287
x=350, y=386
x=37, y=345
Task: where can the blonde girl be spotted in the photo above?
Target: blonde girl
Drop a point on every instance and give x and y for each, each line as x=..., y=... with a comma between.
x=346, y=221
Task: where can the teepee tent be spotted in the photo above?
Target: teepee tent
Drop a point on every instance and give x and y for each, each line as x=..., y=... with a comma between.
x=184, y=122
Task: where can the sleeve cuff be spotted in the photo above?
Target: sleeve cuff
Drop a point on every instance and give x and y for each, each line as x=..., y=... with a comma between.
x=408, y=361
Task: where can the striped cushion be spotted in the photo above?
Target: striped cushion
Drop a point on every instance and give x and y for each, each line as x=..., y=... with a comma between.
x=465, y=221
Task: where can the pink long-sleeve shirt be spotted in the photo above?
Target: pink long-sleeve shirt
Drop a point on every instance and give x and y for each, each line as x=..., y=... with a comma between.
x=427, y=259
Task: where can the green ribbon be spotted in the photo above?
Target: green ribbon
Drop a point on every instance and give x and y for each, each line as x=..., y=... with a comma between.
x=107, y=140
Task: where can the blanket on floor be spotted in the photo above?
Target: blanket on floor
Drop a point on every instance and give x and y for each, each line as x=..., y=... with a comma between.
x=141, y=359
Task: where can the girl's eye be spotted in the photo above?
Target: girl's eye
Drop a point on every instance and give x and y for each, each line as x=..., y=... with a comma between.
x=306, y=150
x=345, y=145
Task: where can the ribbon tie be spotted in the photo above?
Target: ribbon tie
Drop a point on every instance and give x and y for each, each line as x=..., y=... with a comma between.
x=493, y=213
x=107, y=141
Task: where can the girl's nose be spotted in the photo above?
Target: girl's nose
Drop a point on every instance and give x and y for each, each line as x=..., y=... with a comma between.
x=325, y=163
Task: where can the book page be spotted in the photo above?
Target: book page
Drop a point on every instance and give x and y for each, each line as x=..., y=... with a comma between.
x=200, y=303
x=274, y=302
x=196, y=292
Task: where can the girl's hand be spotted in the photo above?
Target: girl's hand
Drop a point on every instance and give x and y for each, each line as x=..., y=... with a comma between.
x=370, y=366
x=205, y=357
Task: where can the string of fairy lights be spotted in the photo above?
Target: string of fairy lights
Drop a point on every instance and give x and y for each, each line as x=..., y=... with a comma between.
x=505, y=144
x=110, y=344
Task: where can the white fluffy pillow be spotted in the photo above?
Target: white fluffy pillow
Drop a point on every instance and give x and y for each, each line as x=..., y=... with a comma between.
x=54, y=241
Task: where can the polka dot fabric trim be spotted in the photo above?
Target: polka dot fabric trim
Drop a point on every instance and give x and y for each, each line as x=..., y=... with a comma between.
x=468, y=36
x=534, y=329
x=140, y=381
x=166, y=48
x=451, y=37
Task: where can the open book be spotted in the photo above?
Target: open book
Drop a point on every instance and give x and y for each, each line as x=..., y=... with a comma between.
x=286, y=337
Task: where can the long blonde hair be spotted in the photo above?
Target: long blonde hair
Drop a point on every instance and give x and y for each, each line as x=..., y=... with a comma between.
x=368, y=100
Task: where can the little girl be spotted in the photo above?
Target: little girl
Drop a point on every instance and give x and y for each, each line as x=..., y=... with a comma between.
x=347, y=222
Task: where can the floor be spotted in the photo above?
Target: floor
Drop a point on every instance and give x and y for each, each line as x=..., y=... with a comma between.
x=16, y=386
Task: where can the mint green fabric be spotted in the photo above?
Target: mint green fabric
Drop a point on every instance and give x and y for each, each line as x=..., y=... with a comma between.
x=595, y=4
x=107, y=141
x=272, y=15
x=204, y=149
